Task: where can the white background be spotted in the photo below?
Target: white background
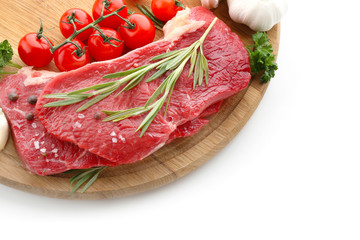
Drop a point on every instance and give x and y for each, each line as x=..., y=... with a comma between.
x=293, y=172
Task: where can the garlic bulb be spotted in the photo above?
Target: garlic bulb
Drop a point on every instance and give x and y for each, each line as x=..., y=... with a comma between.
x=259, y=15
x=4, y=130
x=210, y=4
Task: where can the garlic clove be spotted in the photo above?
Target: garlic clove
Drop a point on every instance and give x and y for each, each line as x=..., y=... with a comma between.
x=4, y=130
x=210, y=4
x=259, y=15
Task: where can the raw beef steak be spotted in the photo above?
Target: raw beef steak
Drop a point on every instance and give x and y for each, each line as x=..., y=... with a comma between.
x=119, y=142
x=40, y=152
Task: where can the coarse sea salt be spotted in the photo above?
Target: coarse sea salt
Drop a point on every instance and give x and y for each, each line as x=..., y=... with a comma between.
x=77, y=124
x=43, y=150
x=113, y=134
x=121, y=138
x=34, y=125
x=36, y=145
x=114, y=140
x=81, y=115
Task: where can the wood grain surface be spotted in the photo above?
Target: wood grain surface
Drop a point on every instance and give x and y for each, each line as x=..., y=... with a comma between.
x=164, y=166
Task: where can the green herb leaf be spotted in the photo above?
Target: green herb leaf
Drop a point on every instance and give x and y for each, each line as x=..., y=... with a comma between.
x=83, y=176
x=6, y=54
x=262, y=58
x=65, y=102
x=124, y=73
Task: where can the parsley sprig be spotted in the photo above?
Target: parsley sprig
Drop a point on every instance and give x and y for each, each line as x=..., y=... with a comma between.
x=6, y=54
x=262, y=58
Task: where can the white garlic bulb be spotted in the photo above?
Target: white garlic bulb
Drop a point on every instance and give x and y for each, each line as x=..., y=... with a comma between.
x=4, y=130
x=210, y=4
x=259, y=15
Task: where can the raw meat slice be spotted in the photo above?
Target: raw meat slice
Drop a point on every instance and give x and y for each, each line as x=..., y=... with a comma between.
x=119, y=142
x=40, y=152
x=211, y=109
x=187, y=129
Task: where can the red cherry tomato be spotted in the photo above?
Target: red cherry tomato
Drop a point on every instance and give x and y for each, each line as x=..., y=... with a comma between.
x=110, y=6
x=34, y=51
x=101, y=50
x=142, y=34
x=66, y=58
x=165, y=9
x=82, y=19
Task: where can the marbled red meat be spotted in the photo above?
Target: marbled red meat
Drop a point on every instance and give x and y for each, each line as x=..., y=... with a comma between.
x=40, y=152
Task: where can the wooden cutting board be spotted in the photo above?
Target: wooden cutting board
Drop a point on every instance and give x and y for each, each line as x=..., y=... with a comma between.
x=164, y=166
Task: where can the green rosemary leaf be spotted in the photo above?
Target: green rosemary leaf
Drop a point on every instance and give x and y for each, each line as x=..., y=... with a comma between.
x=65, y=95
x=165, y=55
x=205, y=66
x=95, y=100
x=197, y=71
x=158, y=74
x=151, y=115
x=64, y=102
x=94, y=87
x=80, y=175
x=80, y=182
x=192, y=62
x=146, y=125
x=109, y=112
x=169, y=97
x=201, y=72
x=84, y=176
x=134, y=82
x=92, y=180
x=183, y=55
x=123, y=114
x=157, y=92
x=124, y=73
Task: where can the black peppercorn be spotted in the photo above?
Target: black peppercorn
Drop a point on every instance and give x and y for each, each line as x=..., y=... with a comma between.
x=97, y=116
x=13, y=96
x=29, y=116
x=32, y=99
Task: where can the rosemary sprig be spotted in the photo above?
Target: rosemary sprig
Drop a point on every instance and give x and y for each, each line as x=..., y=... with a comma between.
x=147, y=12
x=174, y=61
x=87, y=177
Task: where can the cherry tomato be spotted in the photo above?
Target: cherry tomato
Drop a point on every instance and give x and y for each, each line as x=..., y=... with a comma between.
x=34, y=51
x=165, y=9
x=142, y=34
x=66, y=58
x=110, y=6
x=101, y=50
x=81, y=20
